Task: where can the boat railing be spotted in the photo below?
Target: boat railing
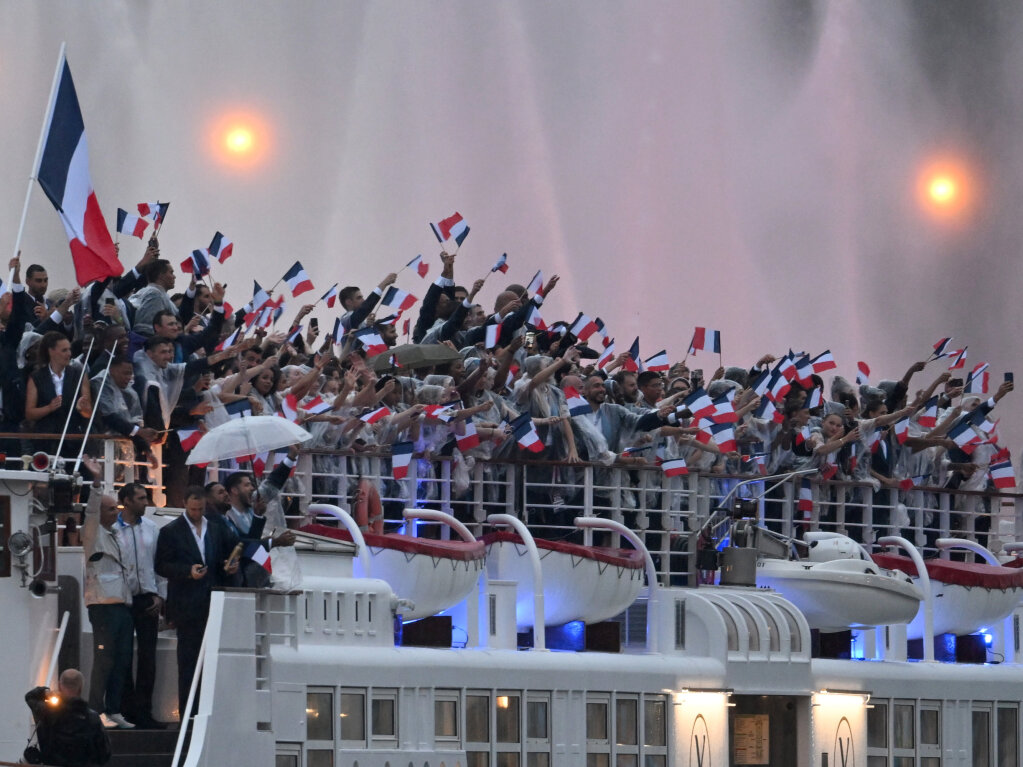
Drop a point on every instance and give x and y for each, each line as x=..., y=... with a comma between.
x=666, y=512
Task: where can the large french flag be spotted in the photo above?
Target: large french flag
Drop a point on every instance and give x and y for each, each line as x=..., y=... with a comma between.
x=63, y=173
x=297, y=279
x=451, y=228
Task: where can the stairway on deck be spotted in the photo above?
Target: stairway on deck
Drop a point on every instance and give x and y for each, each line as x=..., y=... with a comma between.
x=142, y=748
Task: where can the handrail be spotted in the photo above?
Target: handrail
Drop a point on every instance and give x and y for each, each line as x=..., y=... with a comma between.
x=186, y=715
x=925, y=584
x=432, y=515
x=539, y=626
x=57, y=647
x=962, y=543
x=350, y=525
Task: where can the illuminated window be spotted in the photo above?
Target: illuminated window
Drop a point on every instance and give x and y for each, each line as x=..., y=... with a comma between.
x=353, y=716
x=507, y=707
x=319, y=715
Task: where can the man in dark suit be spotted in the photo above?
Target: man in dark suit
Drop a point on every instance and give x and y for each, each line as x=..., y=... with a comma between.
x=192, y=553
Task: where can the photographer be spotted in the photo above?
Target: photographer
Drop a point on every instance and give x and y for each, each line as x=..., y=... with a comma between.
x=69, y=732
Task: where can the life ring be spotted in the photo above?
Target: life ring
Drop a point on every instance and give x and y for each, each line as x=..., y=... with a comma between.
x=367, y=509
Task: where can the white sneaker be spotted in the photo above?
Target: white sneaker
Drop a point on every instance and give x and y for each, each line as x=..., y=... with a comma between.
x=118, y=721
x=109, y=723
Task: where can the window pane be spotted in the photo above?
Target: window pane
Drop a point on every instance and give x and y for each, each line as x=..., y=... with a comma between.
x=507, y=759
x=626, y=729
x=507, y=719
x=653, y=723
x=627, y=760
x=538, y=759
x=930, y=761
x=930, y=732
x=536, y=719
x=598, y=760
x=477, y=758
x=383, y=717
x=1008, y=737
x=445, y=718
x=903, y=735
x=286, y=760
x=353, y=716
x=981, y=738
x=903, y=761
x=655, y=760
x=877, y=761
x=477, y=719
x=596, y=721
x=319, y=716
x=877, y=726
x=319, y=758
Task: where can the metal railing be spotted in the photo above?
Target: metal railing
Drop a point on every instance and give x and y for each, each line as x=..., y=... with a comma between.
x=666, y=512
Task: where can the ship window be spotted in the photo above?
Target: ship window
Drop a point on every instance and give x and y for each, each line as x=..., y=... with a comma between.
x=598, y=760
x=653, y=723
x=902, y=736
x=288, y=755
x=596, y=720
x=626, y=722
x=477, y=759
x=286, y=760
x=981, y=738
x=1008, y=736
x=930, y=733
x=445, y=716
x=507, y=759
x=319, y=757
x=477, y=718
x=353, y=716
x=319, y=715
x=507, y=708
x=655, y=760
x=538, y=759
x=877, y=726
x=383, y=709
x=537, y=719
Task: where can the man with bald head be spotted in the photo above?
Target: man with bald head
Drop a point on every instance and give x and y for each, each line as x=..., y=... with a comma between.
x=68, y=731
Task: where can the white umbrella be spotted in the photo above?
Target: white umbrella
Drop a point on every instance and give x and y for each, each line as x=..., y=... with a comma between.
x=247, y=435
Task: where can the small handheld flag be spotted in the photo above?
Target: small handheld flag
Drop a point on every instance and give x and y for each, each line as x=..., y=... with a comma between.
x=526, y=434
x=501, y=265
x=704, y=339
x=375, y=415
x=863, y=373
x=577, y=405
x=297, y=279
x=451, y=228
x=330, y=297
x=419, y=265
x=659, y=362
x=401, y=457
x=129, y=224
x=189, y=438
x=398, y=299
x=221, y=248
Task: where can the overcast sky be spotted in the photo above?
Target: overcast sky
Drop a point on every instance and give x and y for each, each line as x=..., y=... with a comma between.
x=754, y=168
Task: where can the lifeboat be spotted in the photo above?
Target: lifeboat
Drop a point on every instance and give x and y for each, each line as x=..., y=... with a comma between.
x=838, y=588
x=580, y=583
x=968, y=596
x=433, y=575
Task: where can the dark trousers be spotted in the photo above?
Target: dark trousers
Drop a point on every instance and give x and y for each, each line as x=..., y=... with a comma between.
x=111, y=657
x=189, y=643
x=140, y=692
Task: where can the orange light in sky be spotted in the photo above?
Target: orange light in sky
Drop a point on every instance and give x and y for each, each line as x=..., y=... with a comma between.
x=947, y=190
x=239, y=140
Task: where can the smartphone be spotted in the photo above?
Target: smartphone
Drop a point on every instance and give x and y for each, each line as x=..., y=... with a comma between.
x=696, y=378
x=530, y=340
x=314, y=323
x=954, y=382
x=1008, y=377
x=109, y=302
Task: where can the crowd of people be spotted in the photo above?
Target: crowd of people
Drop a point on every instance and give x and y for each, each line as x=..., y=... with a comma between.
x=154, y=366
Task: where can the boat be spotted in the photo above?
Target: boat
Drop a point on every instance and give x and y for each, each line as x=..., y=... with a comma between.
x=837, y=587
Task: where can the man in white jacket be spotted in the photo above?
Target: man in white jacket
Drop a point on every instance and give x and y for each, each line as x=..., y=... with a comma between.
x=108, y=600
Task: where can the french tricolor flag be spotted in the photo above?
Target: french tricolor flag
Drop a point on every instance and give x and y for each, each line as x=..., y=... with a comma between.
x=535, y=319
x=451, y=228
x=902, y=430
x=805, y=502
x=255, y=551
x=298, y=281
x=231, y=340
x=1001, y=471
x=330, y=297
x=659, y=362
x=63, y=173
x=724, y=410
x=703, y=338
x=317, y=406
x=965, y=437
x=814, y=399
x=958, y=358
x=289, y=408
x=419, y=265
x=155, y=211
x=189, y=438
x=371, y=341
x=633, y=363
x=674, y=467
x=609, y=354
x=577, y=405
x=803, y=371
x=699, y=404
x=778, y=386
x=501, y=265
x=928, y=417
x=525, y=433
x=823, y=362
x=977, y=381
x=401, y=457
x=338, y=333
x=221, y=248
x=939, y=349
x=493, y=334
x=259, y=298
x=468, y=439
x=862, y=373
x=398, y=299
x=130, y=225
x=375, y=415
x=197, y=264
x=536, y=284
x=583, y=327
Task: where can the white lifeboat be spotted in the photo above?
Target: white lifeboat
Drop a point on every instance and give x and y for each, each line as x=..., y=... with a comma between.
x=838, y=588
x=968, y=596
x=580, y=583
x=433, y=574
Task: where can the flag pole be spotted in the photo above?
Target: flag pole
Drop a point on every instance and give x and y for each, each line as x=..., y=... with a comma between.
x=39, y=148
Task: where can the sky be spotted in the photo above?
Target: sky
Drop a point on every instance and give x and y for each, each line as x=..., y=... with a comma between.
x=795, y=174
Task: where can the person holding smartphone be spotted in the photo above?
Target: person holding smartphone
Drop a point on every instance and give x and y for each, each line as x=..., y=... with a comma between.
x=194, y=554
